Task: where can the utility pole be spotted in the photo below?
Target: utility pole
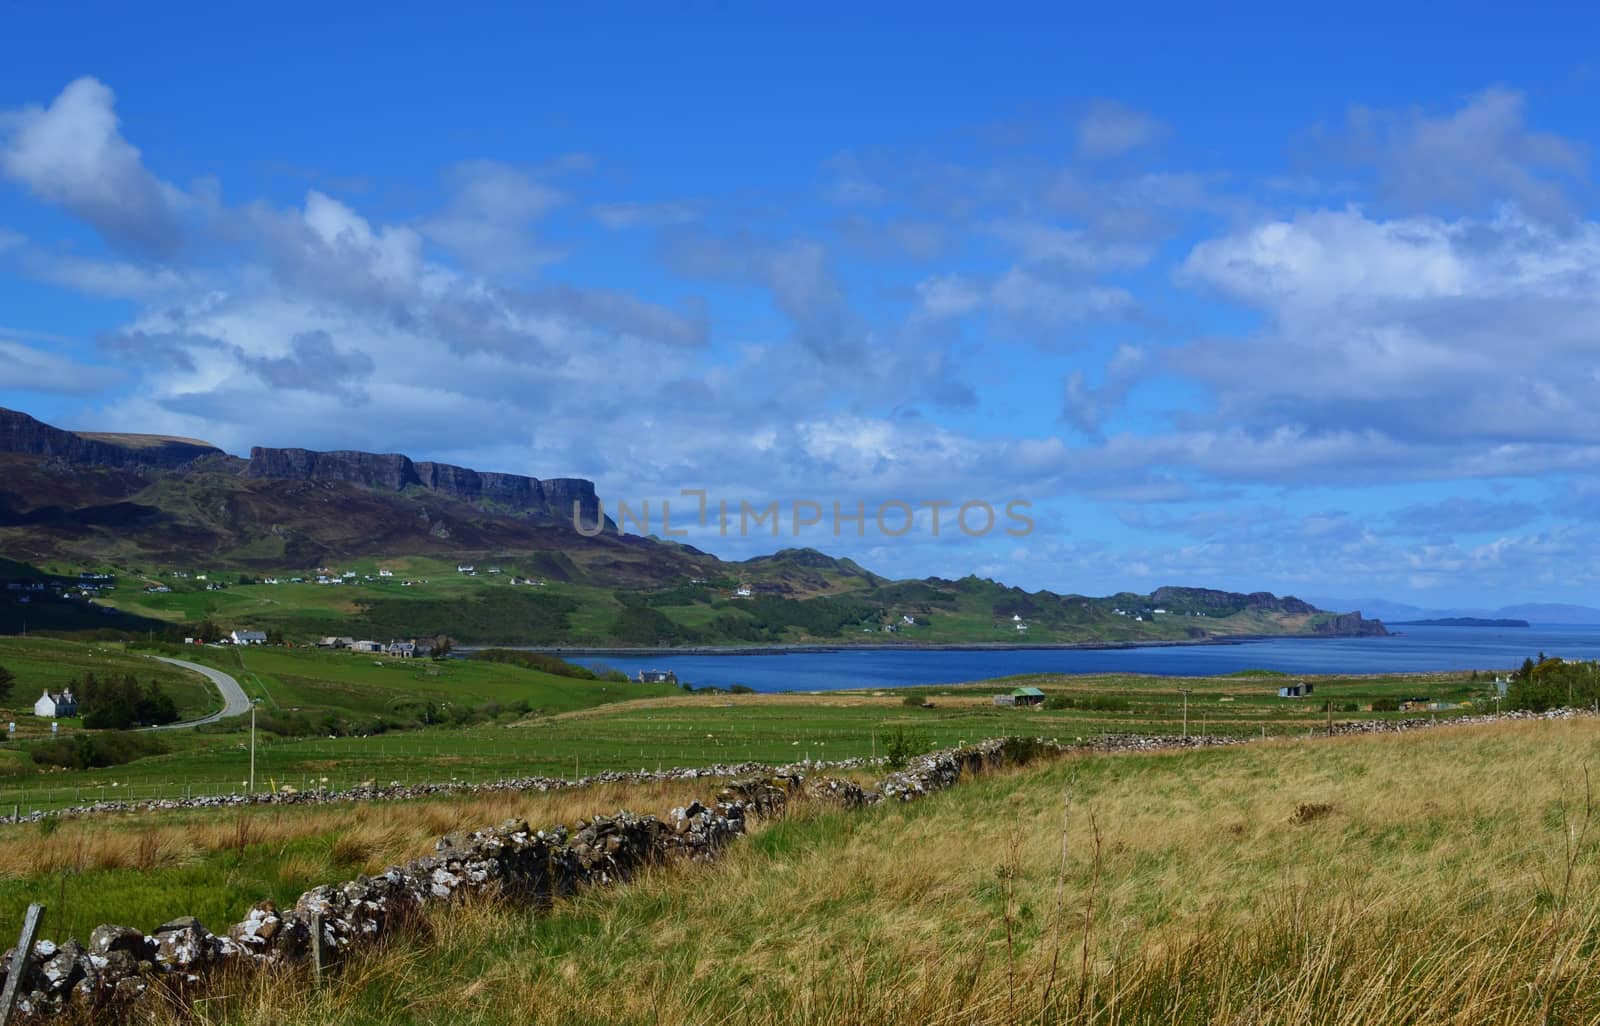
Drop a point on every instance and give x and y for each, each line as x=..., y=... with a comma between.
x=1186, y=711
x=1330, y=717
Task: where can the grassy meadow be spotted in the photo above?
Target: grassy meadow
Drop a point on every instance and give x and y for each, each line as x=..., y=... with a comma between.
x=1441, y=877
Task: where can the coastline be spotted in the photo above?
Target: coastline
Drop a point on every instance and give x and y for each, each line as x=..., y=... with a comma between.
x=908, y=646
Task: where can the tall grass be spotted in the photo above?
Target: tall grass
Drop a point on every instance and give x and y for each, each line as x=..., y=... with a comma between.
x=1449, y=878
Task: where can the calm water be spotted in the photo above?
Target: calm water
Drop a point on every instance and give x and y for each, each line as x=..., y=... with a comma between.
x=1419, y=648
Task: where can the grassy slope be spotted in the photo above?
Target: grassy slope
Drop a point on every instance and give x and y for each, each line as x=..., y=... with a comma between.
x=966, y=612
x=1434, y=888
x=45, y=664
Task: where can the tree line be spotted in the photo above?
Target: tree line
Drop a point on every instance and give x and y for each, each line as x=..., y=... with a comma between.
x=117, y=703
x=1550, y=682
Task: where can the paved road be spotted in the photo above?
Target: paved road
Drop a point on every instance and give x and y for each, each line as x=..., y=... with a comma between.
x=234, y=701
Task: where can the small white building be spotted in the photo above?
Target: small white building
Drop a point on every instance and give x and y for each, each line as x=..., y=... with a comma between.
x=248, y=637
x=385, y=573
x=55, y=704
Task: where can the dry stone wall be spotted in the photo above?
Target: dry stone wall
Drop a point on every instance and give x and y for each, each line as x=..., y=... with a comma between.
x=120, y=969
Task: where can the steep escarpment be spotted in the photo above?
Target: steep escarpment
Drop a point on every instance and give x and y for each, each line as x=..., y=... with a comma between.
x=550, y=501
x=20, y=433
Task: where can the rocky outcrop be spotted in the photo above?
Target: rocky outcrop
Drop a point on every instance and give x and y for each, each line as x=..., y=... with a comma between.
x=20, y=433
x=547, y=501
x=1350, y=625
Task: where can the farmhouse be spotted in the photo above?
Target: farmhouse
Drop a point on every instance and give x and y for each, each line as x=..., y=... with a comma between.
x=248, y=637
x=409, y=649
x=657, y=677
x=53, y=704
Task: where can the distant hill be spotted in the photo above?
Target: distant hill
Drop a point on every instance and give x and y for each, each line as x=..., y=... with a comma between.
x=1460, y=621
x=1538, y=613
x=143, y=506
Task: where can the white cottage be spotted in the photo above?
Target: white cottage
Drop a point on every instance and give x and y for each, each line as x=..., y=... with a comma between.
x=52, y=705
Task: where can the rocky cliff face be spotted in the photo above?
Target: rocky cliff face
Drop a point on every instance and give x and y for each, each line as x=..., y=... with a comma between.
x=390, y=471
x=547, y=501
x=20, y=433
x=1352, y=624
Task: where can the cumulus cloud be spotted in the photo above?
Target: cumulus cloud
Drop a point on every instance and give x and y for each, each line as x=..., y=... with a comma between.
x=1427, y=330
x=72, y=154
x=1473, y=158
x=313, y=364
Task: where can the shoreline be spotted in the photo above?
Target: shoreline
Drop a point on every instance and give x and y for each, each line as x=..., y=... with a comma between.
x=799, y=648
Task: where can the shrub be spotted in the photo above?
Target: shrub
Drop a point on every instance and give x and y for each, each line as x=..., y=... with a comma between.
x=1019, y=751
x=536, y=661
x=94, y=751
x=900, y=747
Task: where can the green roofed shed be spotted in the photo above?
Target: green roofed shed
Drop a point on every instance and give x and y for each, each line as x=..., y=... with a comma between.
x=1028, y=696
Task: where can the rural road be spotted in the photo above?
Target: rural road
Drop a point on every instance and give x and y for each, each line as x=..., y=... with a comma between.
x=234, y=701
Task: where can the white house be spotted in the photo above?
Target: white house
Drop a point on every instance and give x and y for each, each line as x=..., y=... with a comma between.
x=385, y=573
x=466, y=568
x=1016, y=617
x=248, y=637
x=51, y=705
x=743, y=591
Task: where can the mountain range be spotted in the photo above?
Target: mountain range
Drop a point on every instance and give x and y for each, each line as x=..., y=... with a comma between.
x=1534, y=612
x=153, y=508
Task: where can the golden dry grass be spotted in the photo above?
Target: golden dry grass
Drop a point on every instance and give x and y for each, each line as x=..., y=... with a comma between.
x=1450, y=878
x=380, y=833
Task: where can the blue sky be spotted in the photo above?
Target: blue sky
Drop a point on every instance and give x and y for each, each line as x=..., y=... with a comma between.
x=1267, y=299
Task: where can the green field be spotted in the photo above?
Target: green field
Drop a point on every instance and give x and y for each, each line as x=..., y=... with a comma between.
x=528, y=723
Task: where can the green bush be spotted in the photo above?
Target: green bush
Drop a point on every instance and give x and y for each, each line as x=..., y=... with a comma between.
x=901, y=747
x=1019, y=751
x=540, y=661
x=95, y=751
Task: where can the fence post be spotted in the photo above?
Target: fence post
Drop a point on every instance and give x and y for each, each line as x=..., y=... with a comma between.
x=317, y=964
x=19, y=963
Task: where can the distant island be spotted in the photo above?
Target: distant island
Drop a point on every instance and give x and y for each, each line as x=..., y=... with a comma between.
x=1460, y=621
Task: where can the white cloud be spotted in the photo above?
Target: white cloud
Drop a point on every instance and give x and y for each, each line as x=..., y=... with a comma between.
x=73, y=154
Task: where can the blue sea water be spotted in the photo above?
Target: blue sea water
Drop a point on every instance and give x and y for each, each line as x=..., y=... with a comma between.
x=1416, y=649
